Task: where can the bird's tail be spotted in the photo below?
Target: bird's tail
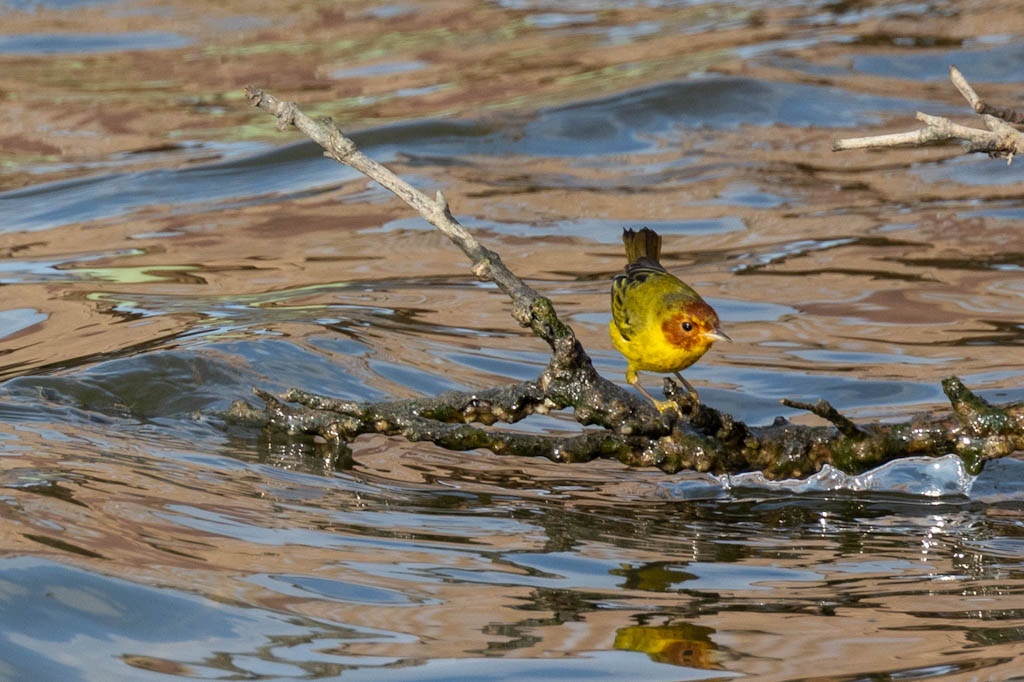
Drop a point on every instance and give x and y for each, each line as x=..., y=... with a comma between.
x=645, y=243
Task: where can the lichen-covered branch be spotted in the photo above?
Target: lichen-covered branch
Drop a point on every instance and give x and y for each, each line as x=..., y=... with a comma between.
x=998, y=139
x=613, y=422
x=711, y=441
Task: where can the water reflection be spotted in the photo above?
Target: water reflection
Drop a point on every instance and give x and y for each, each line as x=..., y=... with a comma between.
x=396, y=560
x=75, y=43
x=62, y=610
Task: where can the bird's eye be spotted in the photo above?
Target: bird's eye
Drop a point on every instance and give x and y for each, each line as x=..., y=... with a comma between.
x=687, y=326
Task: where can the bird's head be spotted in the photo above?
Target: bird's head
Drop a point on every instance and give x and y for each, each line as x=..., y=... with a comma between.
x=693, y=326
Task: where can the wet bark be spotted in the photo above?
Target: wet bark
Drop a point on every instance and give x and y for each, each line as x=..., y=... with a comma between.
x=614, y=422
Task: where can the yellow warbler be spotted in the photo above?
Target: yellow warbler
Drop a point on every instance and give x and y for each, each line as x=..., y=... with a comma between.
x=658, y=322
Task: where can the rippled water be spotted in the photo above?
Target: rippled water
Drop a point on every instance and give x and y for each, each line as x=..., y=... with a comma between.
x=165, y=250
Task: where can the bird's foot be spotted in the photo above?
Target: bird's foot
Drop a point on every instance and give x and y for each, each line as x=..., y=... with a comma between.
x=664, y=406
x=694, y=398
x=683, y=402
x=679, y=402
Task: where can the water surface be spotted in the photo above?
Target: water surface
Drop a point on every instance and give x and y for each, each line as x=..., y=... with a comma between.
x=165, y=250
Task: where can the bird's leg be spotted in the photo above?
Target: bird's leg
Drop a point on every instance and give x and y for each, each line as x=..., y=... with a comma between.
x=690, y=389
x=661, y=405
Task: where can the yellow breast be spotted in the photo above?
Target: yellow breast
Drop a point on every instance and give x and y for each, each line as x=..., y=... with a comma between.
x=651, y=349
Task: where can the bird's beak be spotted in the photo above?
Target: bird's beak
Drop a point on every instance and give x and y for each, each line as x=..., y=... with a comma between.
x=718, y=335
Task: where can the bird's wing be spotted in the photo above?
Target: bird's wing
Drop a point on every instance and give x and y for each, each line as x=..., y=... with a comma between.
x=620, y=311
x=626, y=304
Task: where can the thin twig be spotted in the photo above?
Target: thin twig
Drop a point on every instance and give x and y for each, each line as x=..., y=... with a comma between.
x=824, y=409
x=978, y=104
x=999, y=139
x=486, y=264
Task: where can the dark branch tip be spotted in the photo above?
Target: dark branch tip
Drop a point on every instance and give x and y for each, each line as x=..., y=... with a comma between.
x=254, y=95
x=826, y=411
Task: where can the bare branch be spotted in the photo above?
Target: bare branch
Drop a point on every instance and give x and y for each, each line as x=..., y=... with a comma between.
x=486, y=263
x=998, y=139
x=965, y=89
x=979, y=105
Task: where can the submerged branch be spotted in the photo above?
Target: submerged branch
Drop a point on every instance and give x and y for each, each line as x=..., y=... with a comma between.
x=998, y=139
x=614, y=422
x=711, y=441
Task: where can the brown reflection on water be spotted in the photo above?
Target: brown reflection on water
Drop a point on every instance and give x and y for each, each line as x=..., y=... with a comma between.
x=931, y=289
x=882, y=292
x=679, y=584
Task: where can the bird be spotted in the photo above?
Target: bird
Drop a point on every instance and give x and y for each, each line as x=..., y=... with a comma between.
x=659, y=323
